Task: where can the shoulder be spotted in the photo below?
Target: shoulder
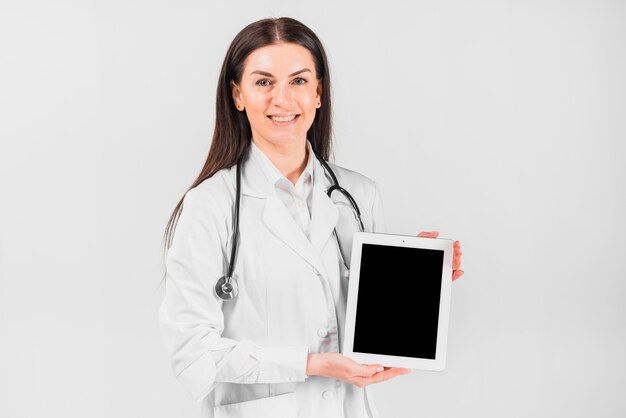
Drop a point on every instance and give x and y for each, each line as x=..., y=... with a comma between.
x=220, y=186
x=364, y=191
x=212, y=198
x=355, y=182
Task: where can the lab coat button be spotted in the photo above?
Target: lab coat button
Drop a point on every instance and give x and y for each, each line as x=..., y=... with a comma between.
x=322, y=333
x=346, y=274
x=327, y=394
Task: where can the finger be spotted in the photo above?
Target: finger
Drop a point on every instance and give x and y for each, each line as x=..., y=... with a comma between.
x=385, y=375
x=368, y=370
x=395, y=370
x=457, y=274
x=403, y=370
x=431, y=234
x=456, y=259
x=456, y=263
x=377, y=378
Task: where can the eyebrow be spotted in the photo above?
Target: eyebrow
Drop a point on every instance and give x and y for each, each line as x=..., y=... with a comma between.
x=266, y=74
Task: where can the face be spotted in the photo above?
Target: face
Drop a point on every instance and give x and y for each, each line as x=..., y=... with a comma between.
x=280, y=92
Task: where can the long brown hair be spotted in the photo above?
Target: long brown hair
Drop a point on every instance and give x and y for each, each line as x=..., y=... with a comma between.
x=231, y=137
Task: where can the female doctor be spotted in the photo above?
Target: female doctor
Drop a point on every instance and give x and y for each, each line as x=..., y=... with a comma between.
x=267, y=344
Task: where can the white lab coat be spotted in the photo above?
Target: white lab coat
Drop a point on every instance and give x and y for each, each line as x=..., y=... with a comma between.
x=247, y=357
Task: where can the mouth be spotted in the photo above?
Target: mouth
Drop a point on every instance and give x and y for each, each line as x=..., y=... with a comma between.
x=283, y=120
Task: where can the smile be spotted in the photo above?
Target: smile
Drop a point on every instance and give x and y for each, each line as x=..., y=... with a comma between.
x=284, y=120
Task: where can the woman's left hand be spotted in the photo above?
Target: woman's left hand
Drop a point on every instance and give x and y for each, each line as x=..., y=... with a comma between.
x=456, y=259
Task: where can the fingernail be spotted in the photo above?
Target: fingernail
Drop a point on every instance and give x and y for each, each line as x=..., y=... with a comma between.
x=380, y=369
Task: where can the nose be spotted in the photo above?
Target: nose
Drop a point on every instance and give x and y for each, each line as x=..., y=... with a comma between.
x=282, y=96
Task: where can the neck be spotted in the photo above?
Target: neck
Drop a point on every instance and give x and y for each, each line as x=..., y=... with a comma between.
x=291, y=159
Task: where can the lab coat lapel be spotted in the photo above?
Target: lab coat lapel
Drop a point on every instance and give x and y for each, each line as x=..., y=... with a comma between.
x=280, y=222
x=325, y=213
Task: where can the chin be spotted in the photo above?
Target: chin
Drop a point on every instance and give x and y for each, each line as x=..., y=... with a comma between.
x=286, y=139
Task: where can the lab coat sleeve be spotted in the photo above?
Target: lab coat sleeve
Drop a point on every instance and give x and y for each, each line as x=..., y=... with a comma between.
x=191, y=317
x=378, y=215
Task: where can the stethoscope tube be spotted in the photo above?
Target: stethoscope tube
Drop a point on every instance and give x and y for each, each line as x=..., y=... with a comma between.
x=226, y=287
x=233, y=251
x=340, y=189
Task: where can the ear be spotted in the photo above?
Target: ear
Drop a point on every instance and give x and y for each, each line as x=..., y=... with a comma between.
x=237, y=95
x=320, y=87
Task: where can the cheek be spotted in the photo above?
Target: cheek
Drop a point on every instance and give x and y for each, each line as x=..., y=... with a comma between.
x=256, y=100
x=309, y=101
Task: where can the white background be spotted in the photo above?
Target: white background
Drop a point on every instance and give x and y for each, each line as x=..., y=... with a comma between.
x=500, y=124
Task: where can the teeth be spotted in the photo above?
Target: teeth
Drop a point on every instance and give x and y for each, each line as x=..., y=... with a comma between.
x=283, y=118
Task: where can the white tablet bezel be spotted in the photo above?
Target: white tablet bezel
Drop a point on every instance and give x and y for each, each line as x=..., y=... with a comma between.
x=447, y=245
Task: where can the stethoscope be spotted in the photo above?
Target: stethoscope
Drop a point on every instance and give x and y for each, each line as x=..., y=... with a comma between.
x=226, y=287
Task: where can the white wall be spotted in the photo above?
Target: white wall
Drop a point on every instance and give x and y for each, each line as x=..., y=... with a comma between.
x=501, y=124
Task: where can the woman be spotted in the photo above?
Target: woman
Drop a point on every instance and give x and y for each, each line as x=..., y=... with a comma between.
x=273, y=350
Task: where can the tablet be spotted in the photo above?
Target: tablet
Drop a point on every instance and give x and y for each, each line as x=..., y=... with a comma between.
x=399, y=301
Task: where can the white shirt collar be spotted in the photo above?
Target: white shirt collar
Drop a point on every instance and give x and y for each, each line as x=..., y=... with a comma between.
x=273, y=174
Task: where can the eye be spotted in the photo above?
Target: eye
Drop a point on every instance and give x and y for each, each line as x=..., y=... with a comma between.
x=260, y=82
x=300, y=79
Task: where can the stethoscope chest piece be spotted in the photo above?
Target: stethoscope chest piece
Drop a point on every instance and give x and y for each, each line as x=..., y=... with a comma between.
x=226, y=288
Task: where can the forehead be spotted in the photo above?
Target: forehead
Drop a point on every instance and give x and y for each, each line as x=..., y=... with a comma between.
x=280, y=59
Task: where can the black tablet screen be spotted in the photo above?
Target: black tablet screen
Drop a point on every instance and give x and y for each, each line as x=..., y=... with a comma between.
x=397, y=311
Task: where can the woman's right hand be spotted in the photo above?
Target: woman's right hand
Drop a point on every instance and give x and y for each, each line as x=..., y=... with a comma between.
x=338, y=366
